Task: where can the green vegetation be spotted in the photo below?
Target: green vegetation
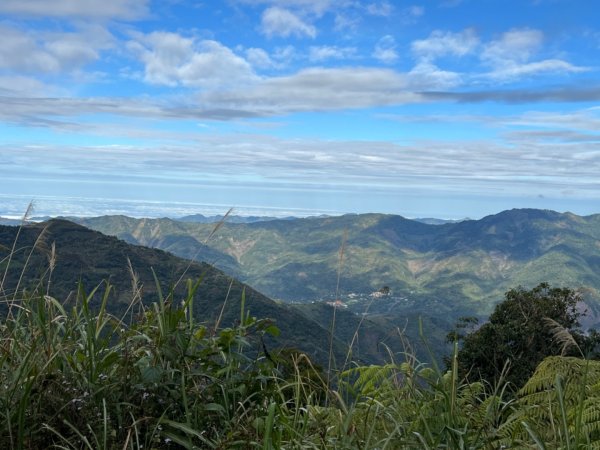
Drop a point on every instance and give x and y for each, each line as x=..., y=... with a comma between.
x=72, y=378
x=83, y=255
x=186, y=365
x=447, y=271
x=520, y=333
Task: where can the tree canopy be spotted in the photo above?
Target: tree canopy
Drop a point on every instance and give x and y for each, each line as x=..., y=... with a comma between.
x=517, y=334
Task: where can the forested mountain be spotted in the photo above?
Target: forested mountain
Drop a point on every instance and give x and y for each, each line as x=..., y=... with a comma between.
x=86, y=256
x=452, y=268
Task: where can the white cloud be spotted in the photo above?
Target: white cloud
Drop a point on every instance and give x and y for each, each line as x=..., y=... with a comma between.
x=21, y=52
x=427, y=76
x=259, y=58
x=514, y=45
x=37, y=52
x=383, y=9
x=88, y=9
x=586, y=120
x=510, y=55
x=317, y=89
x=285, y=54
x=512, y=70
x=19, y=85
x=440, y=44
x=385, y=50
x=325, y=52
x=173, y=60
x=436, y=164
x=282, y=22
x=346, y=22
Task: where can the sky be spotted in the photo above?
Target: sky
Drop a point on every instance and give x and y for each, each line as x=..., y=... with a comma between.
x=445, y=108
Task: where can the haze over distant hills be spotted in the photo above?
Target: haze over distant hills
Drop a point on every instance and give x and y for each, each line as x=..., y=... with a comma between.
x=449, y=269
x=200, y=218
x=232, y=218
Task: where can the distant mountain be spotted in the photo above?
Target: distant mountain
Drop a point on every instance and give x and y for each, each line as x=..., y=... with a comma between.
x=7, y=221
x=87, y=256
x=446, y=270
x=433, y=221
x=199, y=218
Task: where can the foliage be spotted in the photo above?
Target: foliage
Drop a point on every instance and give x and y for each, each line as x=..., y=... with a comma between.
x=85, y=256
x=75, y=375
x=517, y=335
x=68, y=375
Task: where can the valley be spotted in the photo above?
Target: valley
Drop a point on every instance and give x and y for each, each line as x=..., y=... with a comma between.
x=445, y=270
x=86, y=258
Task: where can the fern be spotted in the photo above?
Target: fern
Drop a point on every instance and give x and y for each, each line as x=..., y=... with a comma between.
x=573, y=416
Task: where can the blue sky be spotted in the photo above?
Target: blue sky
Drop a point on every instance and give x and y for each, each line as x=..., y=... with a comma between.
x=447, y=108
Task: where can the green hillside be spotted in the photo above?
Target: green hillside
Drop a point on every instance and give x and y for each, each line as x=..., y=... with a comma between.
x=89, y=257
x=447, y=269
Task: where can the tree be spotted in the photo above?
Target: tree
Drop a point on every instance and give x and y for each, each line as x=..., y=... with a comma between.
x=517, y=334
x=385, y=290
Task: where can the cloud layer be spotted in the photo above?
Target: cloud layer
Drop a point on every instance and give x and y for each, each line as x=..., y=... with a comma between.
x=301, y=95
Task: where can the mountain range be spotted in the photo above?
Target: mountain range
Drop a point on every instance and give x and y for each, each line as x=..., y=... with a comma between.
x=384, y=272
x=87, y=257
x=444, y=270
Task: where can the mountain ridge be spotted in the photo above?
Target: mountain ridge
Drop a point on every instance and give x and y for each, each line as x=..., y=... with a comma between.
x=464, y=266
x=85, y=256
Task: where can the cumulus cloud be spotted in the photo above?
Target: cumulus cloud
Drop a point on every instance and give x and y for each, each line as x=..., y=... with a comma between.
x=385, y=50
x=510, y=56
x=37, y=52
x=171, y=59
x=426, y=75
x=506, y=58
x=259, y=58
x=88, y=9
x=410, y=14
x=514, y=45
x=440, y=44
x=278, y=21
x=325, y=52
x=286, y=53
x=18, y=85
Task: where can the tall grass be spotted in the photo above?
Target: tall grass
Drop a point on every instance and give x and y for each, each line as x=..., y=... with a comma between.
x=77, y=377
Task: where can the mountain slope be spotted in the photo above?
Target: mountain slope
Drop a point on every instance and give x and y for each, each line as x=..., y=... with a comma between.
x=89, y=257
x=448, y=269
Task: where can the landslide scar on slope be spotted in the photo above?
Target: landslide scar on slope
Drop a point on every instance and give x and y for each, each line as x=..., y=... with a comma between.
x=237, y=249
x=138, y=233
